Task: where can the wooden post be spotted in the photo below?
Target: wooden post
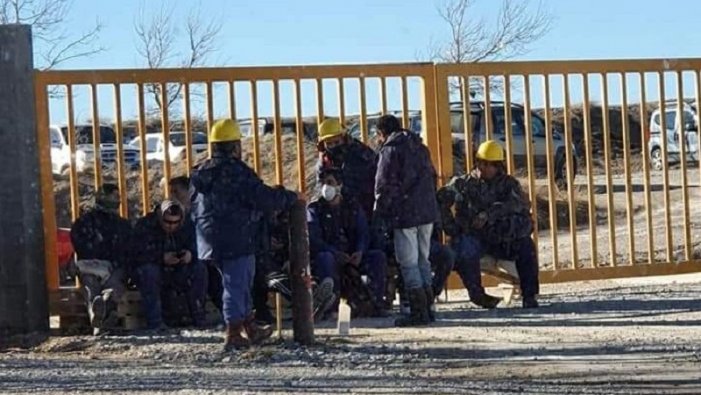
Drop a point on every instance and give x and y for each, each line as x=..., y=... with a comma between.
x=300, y=276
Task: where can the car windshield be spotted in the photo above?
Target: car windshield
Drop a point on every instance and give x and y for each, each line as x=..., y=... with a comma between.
x=178, y=139
x=84, y=135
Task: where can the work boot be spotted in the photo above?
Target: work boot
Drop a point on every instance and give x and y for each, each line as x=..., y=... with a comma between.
x=234, y=338
x=256, y=334
x=418, y=307
x=530, y=302
x=430, y=303
x=486, y=301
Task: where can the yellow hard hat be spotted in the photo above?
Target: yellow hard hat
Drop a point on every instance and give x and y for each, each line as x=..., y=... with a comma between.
x=225, y=130
x=490, y=151
x=330, y=128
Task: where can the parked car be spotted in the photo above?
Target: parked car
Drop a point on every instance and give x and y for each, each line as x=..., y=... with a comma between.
x=84, y=150
x=518, y=130
x=414, y=124
x=267, y=126
x=675, y=123
x=155, y=148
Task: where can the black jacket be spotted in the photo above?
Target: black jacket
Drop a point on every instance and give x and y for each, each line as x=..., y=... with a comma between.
x=405, y=184
x=99, y=234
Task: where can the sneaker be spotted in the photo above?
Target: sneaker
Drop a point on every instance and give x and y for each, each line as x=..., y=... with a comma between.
x=323, y=297
x=97, y=311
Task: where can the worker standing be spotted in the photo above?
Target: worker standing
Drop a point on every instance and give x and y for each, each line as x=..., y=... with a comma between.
x=405, y=191
x=228, y=199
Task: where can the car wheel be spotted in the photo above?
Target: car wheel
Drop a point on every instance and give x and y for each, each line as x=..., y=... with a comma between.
x=656, y=159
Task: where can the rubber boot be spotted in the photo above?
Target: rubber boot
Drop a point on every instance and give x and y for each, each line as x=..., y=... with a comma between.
x=256, y=334
x=234, y=338
x=418, y=306
x=430, y=303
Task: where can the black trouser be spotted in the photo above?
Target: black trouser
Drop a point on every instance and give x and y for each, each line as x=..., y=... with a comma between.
x=215, y=289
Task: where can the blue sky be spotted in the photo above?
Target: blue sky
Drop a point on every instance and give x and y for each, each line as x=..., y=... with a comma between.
x=267, y=32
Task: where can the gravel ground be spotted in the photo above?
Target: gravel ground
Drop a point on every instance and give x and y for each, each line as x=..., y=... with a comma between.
x=611, y=337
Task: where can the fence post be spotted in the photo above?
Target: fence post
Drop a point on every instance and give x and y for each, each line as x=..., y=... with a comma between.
x=302, y=310
x=23, y=294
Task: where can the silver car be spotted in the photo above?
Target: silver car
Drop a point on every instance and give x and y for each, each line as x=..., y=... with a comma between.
x=677, y=125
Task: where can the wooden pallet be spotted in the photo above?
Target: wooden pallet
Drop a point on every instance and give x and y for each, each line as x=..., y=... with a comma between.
x=68, y=311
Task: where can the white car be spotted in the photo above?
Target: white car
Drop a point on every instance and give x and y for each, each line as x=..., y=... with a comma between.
x=84, y=150
x=674, y=123
x=155, y=149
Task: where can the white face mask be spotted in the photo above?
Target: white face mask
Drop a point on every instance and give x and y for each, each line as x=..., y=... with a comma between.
x=328, y=192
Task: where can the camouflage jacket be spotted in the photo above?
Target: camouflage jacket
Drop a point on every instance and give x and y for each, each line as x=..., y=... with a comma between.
x=501, y=201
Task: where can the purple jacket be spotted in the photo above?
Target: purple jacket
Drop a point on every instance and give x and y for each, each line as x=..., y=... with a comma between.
x=405, y=183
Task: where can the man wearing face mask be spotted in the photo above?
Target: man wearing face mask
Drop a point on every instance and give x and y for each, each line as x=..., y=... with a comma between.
x=100, y=238
x=339, y=236
x=356, y=161
x=164, y=262
x=492, y=216
x=228, y=200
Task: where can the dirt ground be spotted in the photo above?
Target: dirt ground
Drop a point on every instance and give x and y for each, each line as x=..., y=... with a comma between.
x=627, y=336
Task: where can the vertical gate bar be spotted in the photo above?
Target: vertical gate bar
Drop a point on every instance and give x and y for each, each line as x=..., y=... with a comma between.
x=665, y=168
x=467, y=120
x=188, y=128
x=607, y=165
x=254, y=126
x=571, y=199
x=588, y=147
x=435, y=121
x=341, y=103
x=383, y=95
x=73, y=173
x=405, y=104
x=210, y=113
x=626, y=164
x=683, y=156
x=363, y=111
x=530, y=156
x=232, y=100
x=165, y=131
x=644, y=130
x=145, y=204
x=121, y=173
x=488, y=108
x=319, y=100
x=47, y=191
x=97, y=153
x=507, y=125
x=552, y=212
x=279, y=175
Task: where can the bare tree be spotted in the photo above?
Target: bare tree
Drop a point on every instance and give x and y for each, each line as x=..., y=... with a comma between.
x=516, y=27
x=54, y=45
x=159, y=41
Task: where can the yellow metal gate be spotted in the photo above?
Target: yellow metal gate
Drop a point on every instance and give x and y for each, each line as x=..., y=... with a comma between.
x=611, y=199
